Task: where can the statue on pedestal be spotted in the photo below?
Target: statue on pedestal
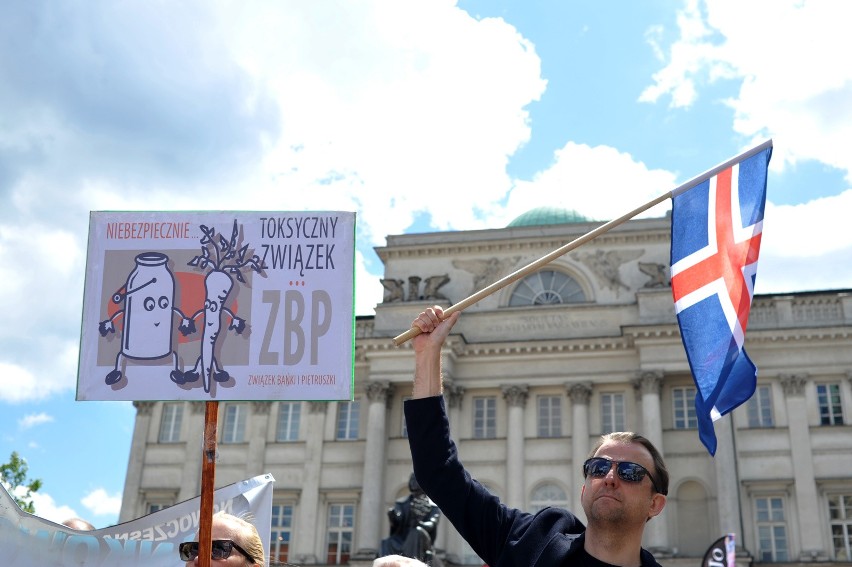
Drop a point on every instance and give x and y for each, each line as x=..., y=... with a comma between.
x=413, y=525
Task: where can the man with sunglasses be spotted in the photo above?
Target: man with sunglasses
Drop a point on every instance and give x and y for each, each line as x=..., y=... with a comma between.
x=626, y=484
x=235, y=542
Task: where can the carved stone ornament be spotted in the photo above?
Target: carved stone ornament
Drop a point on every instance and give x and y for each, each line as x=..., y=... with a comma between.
x=486, y=271
x=414, y=288
x=516, y=394
x=793, y=384
x=649, y=382
x=260, y=408
x=379, y=391
x=433, y=284
x=659, y=274
x=393, y=290
x=454, y=395
x=605, y=265
x=143, y=408
x=317, y=407
x=579, y=392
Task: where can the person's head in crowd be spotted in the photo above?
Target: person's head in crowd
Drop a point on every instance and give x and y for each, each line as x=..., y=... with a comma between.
x=235, y=542
x=397, y=561
x=78, y=524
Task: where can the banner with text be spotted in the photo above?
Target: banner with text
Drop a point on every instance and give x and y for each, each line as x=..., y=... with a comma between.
x=29, y=541
x=721, y=553
x=218, y=305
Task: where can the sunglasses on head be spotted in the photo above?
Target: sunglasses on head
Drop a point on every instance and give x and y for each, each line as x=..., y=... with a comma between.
x=598, y=467
x=221, y=549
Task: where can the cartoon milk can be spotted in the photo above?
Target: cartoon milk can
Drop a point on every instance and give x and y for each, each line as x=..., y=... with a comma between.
x=148, y=298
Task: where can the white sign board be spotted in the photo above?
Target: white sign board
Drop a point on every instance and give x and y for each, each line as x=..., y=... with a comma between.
x=150, y=541
x=218, y=306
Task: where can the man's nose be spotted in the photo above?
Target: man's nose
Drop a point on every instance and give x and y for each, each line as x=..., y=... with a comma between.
x=611, y=475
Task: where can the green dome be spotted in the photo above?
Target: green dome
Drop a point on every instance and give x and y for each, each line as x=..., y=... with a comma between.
x=548, y=215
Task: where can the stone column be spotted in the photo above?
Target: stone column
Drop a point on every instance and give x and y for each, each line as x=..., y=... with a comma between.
x=727, y=479
x=308, y=535
x=448, y=538
x=257, y=438
x=580, y=394
x=379, y=395
x=190, y=485
x=453, y=395
x=516, y=397
x=804, y=486
x=649, y=383
x=130, y=498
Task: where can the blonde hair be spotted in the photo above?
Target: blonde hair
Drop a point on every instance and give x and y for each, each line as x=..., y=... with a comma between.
x=250, y=538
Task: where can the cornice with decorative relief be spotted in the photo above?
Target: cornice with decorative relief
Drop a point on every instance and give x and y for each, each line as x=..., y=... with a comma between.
x=534, y=244
x=614, y=344
x=663, y=331
x=459, y=348
x=798, y=334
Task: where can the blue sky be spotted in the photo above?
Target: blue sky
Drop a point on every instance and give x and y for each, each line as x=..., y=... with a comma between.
x=418, y=116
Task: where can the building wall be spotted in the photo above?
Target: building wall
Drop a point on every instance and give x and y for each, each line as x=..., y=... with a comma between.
x=784, y=487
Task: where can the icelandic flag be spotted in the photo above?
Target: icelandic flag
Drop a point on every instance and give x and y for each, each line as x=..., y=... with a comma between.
x=716, y=230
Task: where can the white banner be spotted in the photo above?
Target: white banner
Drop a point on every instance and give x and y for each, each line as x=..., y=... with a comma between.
x=29, y=541
x=218, y=305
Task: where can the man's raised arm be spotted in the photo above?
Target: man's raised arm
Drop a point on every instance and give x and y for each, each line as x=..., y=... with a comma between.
x=427, y=351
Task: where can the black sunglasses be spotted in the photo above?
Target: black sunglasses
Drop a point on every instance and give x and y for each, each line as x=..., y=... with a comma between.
x=631, y=472
x=221, y=549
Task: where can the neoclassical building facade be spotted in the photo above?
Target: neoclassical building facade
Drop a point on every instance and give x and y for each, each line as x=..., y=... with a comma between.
x=534, y=373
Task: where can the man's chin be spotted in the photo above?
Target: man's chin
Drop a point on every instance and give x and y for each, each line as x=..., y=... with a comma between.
x=607, y=509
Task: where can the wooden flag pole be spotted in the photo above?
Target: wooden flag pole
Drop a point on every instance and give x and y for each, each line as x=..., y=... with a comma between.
x=208, y=482
x=533, y=266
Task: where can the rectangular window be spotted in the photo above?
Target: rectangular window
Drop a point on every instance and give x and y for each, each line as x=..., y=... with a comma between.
x=156, y=507
x=170, y=422
x=234, y=427
x=840, y=520
x=683, y=408
x=348, y=417
x=830, y=409
x=771, y=529
x=612, y=412
x=282, y=528
x=288, y=421
x=760, y=408
x=341, y=527
x=549, y=416
x=485, y=417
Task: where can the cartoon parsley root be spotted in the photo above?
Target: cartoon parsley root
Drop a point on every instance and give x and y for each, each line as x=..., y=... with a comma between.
x=226, y=259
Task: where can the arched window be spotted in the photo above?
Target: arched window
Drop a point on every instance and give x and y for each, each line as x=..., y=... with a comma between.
x=547, y=495
x=547, y=287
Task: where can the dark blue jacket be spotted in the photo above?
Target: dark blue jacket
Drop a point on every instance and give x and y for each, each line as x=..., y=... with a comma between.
x=501, y=536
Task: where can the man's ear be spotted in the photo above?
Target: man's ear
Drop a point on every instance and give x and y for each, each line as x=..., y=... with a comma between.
x=658, y=502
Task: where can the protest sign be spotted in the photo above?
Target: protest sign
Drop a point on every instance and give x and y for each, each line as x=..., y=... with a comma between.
x=218, y=306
